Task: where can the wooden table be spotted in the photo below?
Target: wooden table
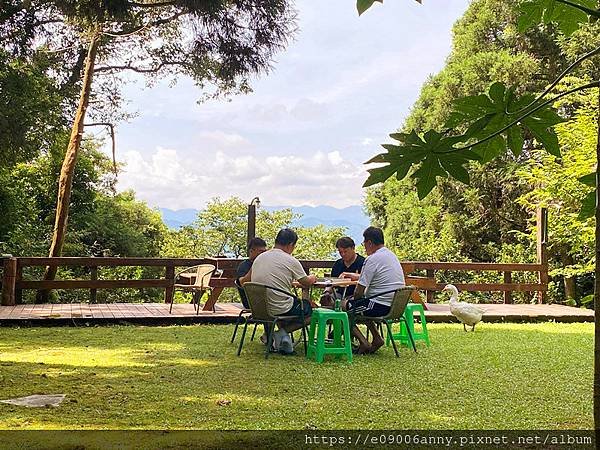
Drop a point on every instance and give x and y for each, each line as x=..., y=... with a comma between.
x=345, y=282
x=324, y=283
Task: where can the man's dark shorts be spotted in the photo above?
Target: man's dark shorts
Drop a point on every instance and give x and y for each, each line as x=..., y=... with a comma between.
x=367, y=307
x=296, y=309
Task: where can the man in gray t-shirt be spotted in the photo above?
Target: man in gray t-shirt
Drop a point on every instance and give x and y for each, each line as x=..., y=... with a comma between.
x=279, y=269
x=381, y=272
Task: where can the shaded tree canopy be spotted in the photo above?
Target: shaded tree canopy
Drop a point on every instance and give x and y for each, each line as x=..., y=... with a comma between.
x=215, y=42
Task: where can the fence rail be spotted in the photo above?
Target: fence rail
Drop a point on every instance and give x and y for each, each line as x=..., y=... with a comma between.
x=13, y=283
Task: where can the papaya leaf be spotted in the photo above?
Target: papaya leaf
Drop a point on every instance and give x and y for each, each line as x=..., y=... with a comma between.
x=434, y=154
x=566, y=17
x=588, y=180
x=490, y=149
x=588, y=206
x=426, y=176
x=515, y=140
x=485, y=115
x=541, y=124
x=363, y=5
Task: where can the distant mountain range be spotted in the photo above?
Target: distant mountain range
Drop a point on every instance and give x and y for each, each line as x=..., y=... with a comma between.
x=352, y=217
x=176, y=219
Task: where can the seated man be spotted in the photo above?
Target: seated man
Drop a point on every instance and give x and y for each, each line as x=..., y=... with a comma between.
x=256, y=246
x=348, y=266
x=278, y=268
x=380, y=273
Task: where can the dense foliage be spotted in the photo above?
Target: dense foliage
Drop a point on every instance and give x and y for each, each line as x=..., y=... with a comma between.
x=490, y=218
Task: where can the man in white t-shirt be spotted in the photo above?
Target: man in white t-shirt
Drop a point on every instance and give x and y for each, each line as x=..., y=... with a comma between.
x=278, y=268
x=381, y=272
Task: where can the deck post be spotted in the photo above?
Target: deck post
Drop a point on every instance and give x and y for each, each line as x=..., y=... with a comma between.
x=542, y=253
x=430, y=274
x=169, y=290
x=18, y=290
x=8, y=281
x=508, y=294
x=93, y=291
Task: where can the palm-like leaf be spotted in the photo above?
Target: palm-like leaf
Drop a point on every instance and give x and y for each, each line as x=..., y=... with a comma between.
x=434, y=153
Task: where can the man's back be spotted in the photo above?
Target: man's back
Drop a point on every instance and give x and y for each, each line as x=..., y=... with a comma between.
x=278, y=269
x=381, y=272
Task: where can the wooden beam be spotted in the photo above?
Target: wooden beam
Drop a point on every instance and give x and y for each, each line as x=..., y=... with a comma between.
x=170, y=278
x=91, y=284
x=490, y=287
x=508, y=294
x=516, y=267
x=428, y=293
x=93, y=291
x=18, y=292
x=111, y=262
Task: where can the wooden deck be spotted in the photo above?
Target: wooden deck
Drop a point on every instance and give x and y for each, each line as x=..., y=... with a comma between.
x=158, y=314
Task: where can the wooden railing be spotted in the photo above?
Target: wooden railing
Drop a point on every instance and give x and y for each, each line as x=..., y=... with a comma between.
x=13, y=283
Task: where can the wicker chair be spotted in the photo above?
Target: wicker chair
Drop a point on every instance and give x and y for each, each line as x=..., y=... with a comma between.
x=204, y=272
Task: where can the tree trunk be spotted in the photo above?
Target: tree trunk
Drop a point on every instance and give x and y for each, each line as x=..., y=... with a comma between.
x=65, y=181
x=597, y=290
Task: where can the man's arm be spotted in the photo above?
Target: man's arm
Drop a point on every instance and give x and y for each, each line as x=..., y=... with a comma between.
x=308, y=280
x=352, y=276
x=359, y=291
x=246, y=278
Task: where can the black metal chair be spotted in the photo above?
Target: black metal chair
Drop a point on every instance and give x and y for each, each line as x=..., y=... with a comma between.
x=244, y=314
x=396, y=313
x=257, y=298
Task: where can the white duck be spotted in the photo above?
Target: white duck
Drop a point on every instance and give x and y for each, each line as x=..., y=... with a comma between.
x=467, y=313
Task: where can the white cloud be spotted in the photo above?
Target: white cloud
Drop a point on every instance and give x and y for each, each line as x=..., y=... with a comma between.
x=169, y=179
x=366, y=142
x=342, y=85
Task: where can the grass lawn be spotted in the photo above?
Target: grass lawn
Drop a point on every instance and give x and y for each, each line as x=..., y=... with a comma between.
x=503, y=376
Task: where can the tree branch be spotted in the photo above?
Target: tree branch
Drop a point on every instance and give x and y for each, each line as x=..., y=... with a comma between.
x=152, y=5
x=557, y=80
x=140, y=69
x=111, y=129
x=124, y=33
x=593, y=84
x=591, y=12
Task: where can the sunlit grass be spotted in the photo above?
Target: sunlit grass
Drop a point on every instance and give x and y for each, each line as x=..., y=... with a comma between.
x=503, y=376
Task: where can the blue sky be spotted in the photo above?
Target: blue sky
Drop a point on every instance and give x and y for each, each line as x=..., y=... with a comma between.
x=302, y=136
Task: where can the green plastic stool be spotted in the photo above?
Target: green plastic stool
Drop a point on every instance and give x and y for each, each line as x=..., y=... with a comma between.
x=409, y=315
x=341, y=345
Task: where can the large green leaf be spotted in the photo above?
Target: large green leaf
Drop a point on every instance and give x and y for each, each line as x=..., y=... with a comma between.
x=540, y=124
x=567, y=17
x=434, y=153
x=484, y=115
x=588, y=206
x=588, y=180
x=363, y=5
